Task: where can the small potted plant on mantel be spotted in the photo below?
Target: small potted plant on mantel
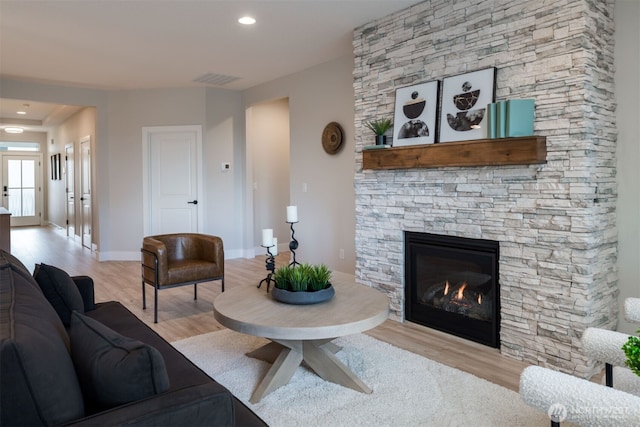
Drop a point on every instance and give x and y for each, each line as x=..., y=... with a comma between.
x=379, y=128
x=302, y=284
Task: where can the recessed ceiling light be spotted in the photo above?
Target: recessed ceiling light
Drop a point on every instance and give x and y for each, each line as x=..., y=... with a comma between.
x=13, y=130
x=247, y=20
x=23, y=111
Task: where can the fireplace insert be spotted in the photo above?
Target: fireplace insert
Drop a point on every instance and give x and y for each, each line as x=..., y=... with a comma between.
x=451, y=284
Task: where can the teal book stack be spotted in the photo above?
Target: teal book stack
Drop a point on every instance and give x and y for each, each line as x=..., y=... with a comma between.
x=491, y=120
x=501, y=119
x=519, y=117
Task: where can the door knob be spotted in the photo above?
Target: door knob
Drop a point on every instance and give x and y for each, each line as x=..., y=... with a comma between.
x=195, y=202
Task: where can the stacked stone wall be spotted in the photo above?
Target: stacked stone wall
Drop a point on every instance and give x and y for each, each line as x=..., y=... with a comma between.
x=555, y=222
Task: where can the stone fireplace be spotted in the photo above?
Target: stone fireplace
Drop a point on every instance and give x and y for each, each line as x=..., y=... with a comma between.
x=554, y=222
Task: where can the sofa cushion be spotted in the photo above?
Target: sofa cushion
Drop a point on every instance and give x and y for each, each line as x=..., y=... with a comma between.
x=9, y=261
x=113, y=369
x=183, y=374
x=37, y=378
x=60, y=290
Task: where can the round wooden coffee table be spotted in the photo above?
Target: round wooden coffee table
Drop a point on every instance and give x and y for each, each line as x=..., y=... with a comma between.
x=302, y=332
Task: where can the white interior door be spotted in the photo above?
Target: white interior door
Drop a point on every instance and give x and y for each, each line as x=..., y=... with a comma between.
x=173, y=179
x=85, y=190
x=69, y=173
x=22, y=188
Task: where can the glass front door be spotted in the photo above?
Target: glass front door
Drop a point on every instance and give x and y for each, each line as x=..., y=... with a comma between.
x=20, y=189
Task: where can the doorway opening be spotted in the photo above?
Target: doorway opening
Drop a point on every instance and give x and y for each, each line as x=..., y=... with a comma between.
x=268, y=169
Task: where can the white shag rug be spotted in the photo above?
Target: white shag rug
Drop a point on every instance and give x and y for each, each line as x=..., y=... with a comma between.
x=408, y=389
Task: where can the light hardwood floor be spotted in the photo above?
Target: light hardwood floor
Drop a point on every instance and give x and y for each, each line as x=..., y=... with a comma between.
x=179, y=316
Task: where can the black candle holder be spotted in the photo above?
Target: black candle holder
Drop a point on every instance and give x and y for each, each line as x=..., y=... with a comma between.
x=270, y=265
x=293, y=245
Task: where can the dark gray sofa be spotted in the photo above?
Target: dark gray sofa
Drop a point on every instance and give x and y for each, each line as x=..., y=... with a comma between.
x=52, y=374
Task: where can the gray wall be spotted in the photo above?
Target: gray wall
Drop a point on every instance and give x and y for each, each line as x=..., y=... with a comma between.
x=224, y=140
x=326, y=211
x=627, y=62
x=129, y=112
x=75, y=128
x=268, y=155
x=220, y=114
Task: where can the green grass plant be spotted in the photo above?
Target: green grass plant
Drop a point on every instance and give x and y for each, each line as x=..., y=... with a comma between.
x=302, y=277
x=319, y=277
x=379, y=127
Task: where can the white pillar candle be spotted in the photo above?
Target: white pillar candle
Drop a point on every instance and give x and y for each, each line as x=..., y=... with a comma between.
x=274, y=249
x=267, y=237
x=292, y=214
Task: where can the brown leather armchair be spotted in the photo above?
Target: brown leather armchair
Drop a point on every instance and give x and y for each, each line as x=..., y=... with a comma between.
x=171, y=260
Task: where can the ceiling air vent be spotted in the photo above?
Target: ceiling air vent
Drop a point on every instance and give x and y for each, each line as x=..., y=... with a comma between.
x=214, y=79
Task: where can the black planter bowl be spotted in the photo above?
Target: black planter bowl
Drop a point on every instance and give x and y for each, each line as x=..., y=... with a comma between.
x=302, y=297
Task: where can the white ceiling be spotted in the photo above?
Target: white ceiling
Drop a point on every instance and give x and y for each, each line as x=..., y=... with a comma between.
x=137, y=44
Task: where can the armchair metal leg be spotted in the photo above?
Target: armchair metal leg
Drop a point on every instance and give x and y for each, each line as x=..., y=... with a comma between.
x=223, y=284
x=155, y=304
x=144, y=297
x=195, y=291
x=608, y=374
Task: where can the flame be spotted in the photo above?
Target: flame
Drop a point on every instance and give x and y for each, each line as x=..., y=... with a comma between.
x=479, y=298
x=446, y=288
x=460, y=295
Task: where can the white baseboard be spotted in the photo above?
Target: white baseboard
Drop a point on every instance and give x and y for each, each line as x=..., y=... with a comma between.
x=119, y=256
x=234, y=253
x=135, y=256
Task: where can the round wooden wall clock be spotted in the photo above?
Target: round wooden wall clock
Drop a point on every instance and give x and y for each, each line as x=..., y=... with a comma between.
x=332, y=138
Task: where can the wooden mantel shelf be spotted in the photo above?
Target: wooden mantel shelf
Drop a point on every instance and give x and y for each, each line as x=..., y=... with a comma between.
x=481, y=152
